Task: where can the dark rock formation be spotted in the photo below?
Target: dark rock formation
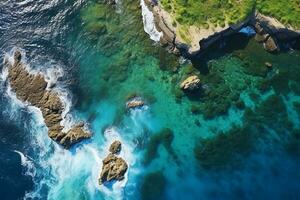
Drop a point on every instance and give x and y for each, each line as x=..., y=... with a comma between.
x=114, y=167
x=190, y=83
x=31, y=88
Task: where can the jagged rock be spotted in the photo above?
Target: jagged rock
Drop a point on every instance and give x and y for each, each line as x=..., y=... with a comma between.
x=191, y=83
x=74, y=135
x=270, y=45
x=31, y=88
x=135, y=103
x=115, y=147
x=114, y=167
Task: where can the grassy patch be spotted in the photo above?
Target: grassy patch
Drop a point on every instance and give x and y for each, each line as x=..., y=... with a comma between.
x=217, y=12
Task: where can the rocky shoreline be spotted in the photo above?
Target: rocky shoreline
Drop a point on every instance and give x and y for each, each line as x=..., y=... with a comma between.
x=32, y=88
x=274, y=32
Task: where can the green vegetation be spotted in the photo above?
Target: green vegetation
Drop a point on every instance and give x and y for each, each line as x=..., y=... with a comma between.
x=217, y=12
x=199, y=12
x=287, y=12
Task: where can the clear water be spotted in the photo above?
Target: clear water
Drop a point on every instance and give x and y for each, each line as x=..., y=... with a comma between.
x=106, y=57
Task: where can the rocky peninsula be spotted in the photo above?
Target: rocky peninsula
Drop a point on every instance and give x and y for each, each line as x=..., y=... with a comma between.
x=32, y=88
x=188, y=31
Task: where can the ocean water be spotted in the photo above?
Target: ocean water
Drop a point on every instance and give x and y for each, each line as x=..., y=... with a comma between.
x=237, y=138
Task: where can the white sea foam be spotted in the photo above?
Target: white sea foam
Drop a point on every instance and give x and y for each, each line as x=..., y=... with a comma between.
x=149, y=23
x=52, y=75
x=27, y=164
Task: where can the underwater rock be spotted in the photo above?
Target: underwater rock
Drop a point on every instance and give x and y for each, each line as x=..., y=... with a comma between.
x=190, y=83
x=31, y=88
x=114, y=167
x=115, y=147
x=270, y=45
x=135, y=103
x=268, y=65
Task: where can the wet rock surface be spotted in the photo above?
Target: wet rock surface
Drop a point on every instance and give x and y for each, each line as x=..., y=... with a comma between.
x=31, y=88
x=135, y=103
x=191, y=83
x=114, y=167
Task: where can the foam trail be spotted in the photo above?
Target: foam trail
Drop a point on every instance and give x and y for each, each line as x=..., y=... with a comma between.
x=149, y=23
x=27, y=164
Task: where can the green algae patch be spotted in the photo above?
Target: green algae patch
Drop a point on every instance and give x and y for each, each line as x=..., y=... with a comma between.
x=153, y=186
x=225, y=149
x=164, y=137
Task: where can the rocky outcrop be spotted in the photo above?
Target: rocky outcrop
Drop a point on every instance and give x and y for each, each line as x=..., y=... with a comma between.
x=115, y=147
x=32, y=88
x=135, y=103
x=270, y=45
x=191, y=83
x=114, y=167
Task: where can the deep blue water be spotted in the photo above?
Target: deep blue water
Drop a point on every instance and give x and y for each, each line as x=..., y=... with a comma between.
x=179, y=146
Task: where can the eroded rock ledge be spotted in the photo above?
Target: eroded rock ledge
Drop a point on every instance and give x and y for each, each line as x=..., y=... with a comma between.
x=32, y=88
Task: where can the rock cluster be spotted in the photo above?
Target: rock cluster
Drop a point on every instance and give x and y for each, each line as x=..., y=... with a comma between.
x=114, y=167
x=31, y=88
x=191, y=83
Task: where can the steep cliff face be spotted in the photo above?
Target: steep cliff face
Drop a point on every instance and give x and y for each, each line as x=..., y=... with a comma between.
x=32, y=88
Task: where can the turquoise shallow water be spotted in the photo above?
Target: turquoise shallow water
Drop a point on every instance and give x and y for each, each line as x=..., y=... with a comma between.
x=236, y=139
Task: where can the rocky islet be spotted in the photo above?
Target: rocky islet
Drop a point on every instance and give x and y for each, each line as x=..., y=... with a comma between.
x=32, y=88
x=113, y=166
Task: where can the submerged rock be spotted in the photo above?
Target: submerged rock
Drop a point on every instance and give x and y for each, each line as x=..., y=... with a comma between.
x=114, y=167
x=31, y=88
x=268, y=65
x=191, y=83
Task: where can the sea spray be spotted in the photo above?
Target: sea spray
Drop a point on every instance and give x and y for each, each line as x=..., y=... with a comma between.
x=27, y=163
x=149, y=23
